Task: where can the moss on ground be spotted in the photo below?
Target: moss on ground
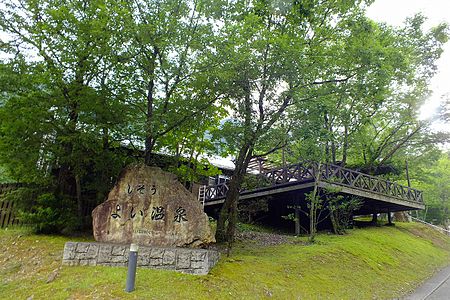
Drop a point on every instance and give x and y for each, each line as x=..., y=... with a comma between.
x=380, y=263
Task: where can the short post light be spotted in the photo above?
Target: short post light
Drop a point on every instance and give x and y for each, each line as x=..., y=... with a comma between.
x=132, y=263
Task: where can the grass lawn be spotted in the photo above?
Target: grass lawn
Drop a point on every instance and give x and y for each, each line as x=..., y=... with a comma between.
x=369, y=263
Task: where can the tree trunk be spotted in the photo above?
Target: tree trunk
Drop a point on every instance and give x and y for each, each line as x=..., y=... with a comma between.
x=334, y=221
x=150, y=139
x=228, y=214
x=66, y=179
x=314, y=201
x=233, y=212
x=189, y=176
x=79, y=200
x=229, y=210
x=345, y=146
x=313, y=214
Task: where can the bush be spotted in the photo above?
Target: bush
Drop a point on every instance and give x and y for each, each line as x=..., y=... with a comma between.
x=51, y=214
x=252, y=182
x=341, y=212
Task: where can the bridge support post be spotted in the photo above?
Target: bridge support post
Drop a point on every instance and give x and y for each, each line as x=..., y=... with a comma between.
x=297, y=221
x=389, y=219
x=374, y=218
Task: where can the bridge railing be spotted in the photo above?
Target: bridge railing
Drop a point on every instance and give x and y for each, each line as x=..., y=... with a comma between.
x=330, y=173
x=350, y=178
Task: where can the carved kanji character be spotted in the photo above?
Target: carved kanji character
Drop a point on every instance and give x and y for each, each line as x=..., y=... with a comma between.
x=158, y=213
x=180, y=215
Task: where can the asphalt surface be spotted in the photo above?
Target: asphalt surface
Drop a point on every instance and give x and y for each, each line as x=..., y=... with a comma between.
x=436, y=288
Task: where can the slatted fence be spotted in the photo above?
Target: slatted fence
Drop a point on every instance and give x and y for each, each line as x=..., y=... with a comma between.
x=8, y=213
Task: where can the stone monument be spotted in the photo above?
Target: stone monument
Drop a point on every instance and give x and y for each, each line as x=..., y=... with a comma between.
x=150, y=207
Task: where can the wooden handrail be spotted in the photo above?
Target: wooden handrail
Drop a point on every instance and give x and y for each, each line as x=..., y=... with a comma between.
x=330, y=173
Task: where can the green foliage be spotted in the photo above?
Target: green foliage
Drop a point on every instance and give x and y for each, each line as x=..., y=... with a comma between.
x=63, y=109
x=370, y=121
x=170, y=74
x=253, y=181
x=23, y=197
x=43, y=211
x=281, y=61
x=433, y=180
x=194, y=170
x=341, y=212
x=50, y=214
x=328, y=203
x=250, y=210
x=4, y=177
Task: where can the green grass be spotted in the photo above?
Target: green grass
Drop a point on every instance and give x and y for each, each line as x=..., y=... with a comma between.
x=370, y=263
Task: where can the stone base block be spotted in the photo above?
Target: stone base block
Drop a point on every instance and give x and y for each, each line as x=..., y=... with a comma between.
x=185, y=260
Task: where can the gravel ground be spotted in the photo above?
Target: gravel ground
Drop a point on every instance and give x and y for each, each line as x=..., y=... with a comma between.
x=264, y=238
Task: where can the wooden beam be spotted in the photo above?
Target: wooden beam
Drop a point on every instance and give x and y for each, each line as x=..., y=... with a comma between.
x=276, y=190
x=373, y=195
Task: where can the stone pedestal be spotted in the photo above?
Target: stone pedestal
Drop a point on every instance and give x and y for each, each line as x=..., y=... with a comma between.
x=191, y=261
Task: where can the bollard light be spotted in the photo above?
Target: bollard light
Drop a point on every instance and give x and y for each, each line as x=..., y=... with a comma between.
x=132, y=263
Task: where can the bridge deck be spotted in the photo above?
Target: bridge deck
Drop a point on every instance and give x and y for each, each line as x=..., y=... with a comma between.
x=302, y=176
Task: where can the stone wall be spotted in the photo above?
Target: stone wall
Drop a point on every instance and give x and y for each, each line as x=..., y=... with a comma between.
x=185, y=260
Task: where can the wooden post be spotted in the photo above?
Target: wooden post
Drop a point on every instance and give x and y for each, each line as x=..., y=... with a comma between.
x=374, y=218
x=283, y=157
x=389, y=218
x=409, y=181
x=297, y=221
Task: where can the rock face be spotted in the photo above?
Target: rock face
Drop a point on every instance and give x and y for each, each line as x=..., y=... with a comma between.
x=402, y=216
x=151, y=207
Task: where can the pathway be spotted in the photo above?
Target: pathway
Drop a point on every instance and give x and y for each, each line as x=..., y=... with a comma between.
x=436, y=288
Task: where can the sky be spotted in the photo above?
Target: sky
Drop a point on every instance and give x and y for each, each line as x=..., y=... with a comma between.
x=394, y=12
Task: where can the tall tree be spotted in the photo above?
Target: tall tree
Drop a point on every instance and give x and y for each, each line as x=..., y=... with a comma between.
x=70, y=107
x=396, y=128
x=170, y=61
x=278, y=54
x=374, y=116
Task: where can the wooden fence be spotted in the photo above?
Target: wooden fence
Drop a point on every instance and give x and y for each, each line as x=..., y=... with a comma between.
x=8, y=214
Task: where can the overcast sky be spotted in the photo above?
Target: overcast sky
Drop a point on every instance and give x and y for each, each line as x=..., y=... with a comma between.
x=394, y=12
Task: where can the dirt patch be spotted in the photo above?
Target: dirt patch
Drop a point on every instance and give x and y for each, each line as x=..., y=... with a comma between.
x=255, y=238
x=438, y=239
x=263, y=238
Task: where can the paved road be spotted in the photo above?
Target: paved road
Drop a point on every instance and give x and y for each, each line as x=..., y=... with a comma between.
x=436, y=288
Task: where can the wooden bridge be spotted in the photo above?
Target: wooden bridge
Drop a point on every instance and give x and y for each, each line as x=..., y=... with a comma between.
x=379, y=195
